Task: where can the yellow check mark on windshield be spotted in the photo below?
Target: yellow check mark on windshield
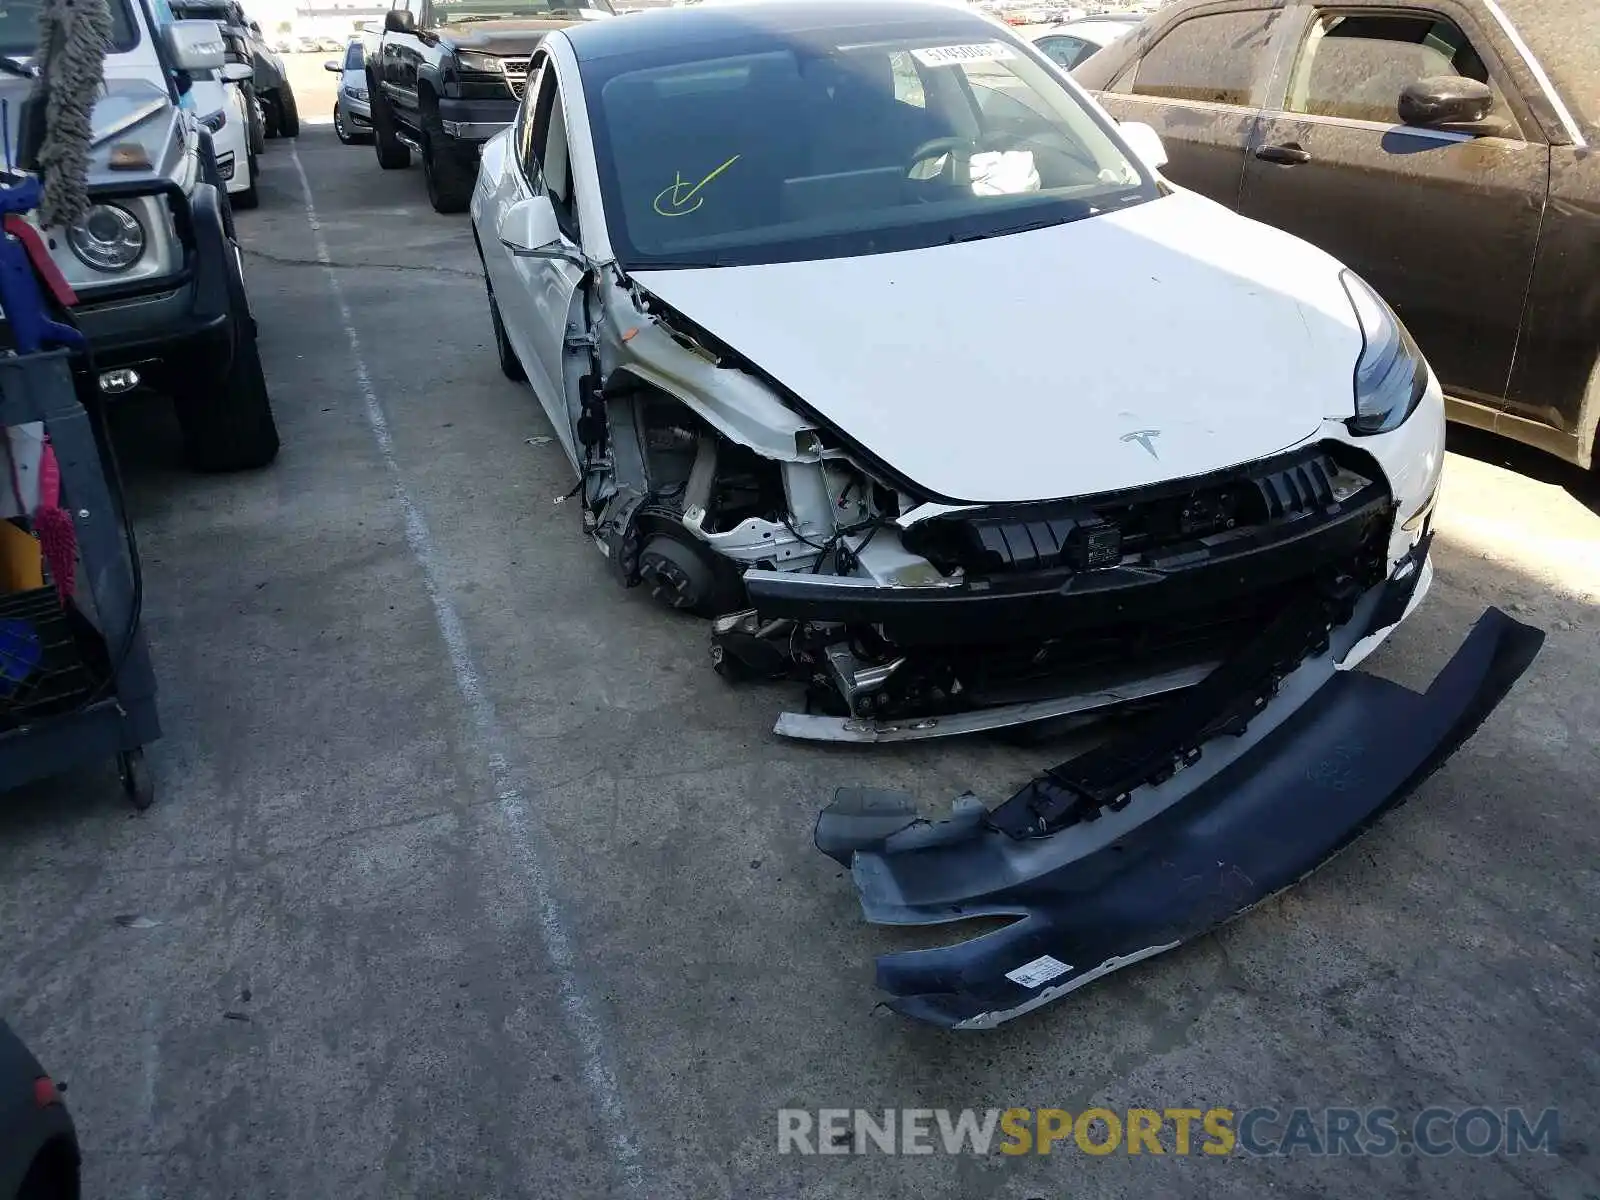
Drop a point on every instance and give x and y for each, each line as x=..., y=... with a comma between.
x=682, y=198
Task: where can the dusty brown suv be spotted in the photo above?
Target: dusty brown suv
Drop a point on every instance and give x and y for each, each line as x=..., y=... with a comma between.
x=1448, y=150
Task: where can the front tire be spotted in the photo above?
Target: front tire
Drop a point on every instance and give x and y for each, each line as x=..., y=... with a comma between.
x=392, y=153
x=339, y=127
x=445, y=169
x=510, y=364
x=227, y=422
x=249, y=198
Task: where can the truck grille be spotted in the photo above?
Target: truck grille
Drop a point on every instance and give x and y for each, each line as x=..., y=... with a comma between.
x=516, y=70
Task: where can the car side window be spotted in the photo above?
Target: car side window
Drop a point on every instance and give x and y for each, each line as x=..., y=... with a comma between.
x=1355, y=65
x=1219, y=58
x=545, y=158
x=1065, y=50
x=530, y=101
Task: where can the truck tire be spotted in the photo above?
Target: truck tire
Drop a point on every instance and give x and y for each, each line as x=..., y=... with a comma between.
x=288, y=112
x=393, y=154
x=257, y=119
x=447, y=169
x=227, y=423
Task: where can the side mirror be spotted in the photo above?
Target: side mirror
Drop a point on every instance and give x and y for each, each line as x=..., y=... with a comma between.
x=237, y=72
x=196, y=45
x=1443, y=101
x=399, y=20
x=336, y=68
x=1145, y=143
x=529, y=230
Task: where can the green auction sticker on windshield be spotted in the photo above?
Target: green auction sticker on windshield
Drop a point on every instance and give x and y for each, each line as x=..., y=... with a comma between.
x=945, y=56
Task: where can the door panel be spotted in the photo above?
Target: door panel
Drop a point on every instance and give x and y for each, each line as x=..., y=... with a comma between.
x=1201, y=85
x=1443, y=224
x=1558, y=358
x=546, y=289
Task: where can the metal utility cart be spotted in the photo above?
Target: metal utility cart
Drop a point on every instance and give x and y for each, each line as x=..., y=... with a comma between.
x=73, y=684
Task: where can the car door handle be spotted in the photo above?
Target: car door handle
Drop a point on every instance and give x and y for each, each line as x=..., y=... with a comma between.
x=1290, y=154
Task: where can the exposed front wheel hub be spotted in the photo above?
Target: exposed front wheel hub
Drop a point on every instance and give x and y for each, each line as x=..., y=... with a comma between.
x=676, y=575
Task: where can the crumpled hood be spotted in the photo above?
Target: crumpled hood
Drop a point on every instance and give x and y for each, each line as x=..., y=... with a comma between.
x=520, y=35
x=128, y=110
x=1166, y=340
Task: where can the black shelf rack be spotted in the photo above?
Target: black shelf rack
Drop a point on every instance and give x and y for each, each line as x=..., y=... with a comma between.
x=87, y=690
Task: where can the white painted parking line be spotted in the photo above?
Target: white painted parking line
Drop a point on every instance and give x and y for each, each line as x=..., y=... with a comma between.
x=489, y=741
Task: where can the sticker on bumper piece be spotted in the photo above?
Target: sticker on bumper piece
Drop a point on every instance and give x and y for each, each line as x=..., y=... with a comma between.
x=1040, y=971
x=944, y=56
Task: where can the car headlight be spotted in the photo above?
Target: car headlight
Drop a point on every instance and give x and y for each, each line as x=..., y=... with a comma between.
x=1391, y=375
x=109, y=238
x=356, y=93
x=475, y=63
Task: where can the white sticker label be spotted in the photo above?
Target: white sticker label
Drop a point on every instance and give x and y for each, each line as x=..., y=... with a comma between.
x=1040, y=971
x=944, y=56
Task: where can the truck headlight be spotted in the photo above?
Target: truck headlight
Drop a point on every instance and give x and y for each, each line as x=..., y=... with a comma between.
x=474, y=63
x=109, y=238
x=1391, y=375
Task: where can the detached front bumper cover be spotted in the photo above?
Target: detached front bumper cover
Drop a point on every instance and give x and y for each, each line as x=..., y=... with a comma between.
x=1099, y=879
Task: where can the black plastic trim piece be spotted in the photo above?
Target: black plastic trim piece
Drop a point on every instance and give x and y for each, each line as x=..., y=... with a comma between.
x=1354, y=751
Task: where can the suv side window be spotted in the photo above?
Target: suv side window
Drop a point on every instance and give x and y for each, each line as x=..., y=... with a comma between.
x=1220, y=58
x=1065, y=50
x=1355, y=65
x=545, y=159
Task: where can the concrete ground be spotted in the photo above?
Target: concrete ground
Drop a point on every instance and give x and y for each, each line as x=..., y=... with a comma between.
x=468, y=878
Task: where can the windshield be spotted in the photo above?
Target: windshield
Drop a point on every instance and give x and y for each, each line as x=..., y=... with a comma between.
x=19, y=27
x=460, y=12
x=352, y=57
x=786, y=151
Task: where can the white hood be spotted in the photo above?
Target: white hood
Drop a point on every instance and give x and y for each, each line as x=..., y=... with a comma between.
x=1019, y=368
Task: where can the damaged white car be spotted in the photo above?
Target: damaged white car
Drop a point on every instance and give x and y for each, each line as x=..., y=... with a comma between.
x=873, y=338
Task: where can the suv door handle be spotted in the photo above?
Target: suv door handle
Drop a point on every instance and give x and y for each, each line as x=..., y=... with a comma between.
x=1290, y=154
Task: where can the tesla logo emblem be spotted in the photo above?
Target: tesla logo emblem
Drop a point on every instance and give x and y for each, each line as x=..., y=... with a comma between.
x=1146, y=438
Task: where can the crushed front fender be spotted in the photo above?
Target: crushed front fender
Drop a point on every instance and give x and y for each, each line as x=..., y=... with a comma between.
x=1252, y=814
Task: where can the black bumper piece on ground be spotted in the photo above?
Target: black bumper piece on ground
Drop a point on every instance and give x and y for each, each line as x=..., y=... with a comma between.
x=1357, y=747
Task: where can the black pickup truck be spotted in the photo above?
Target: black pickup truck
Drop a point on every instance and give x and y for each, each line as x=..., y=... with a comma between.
x=446, y=75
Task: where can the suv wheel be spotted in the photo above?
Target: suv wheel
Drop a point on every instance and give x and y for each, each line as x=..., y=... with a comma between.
x=249, y=198
x=227, y=423
x=393, y=154
x=446, y=169
x=339, y=126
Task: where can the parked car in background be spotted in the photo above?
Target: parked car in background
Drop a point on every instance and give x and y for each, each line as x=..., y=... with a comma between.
x=307, y=45
x=1446, y=149
x=223, y=107
x=352, y=110
x=155, y=263
x=1071, y=42
x=271, y=99
x=446, y=75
